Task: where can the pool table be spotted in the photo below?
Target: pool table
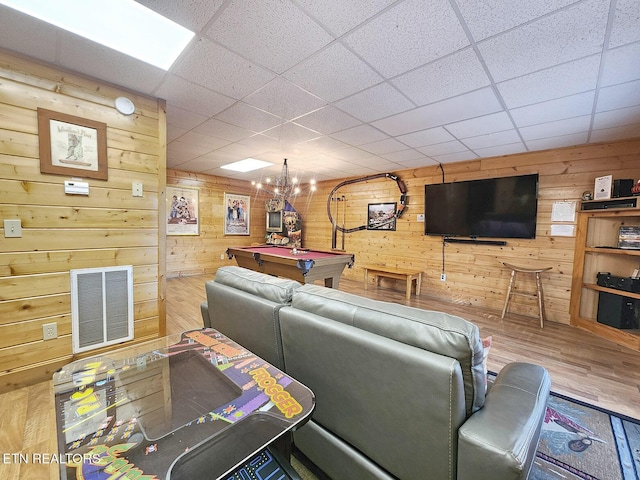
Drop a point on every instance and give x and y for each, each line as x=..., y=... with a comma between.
x=303, y=265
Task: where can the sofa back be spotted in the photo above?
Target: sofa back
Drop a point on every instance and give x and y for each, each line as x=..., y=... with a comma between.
x=433, y=331
x=387, y=409
x=243, y=305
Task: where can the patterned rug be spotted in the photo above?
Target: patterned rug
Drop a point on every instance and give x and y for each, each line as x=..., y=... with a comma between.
x=581, y=441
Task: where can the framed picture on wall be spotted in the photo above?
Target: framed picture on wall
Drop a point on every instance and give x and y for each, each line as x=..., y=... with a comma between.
x=182, y=211
x=237, y=214
x=72, y=146
x=381, y=216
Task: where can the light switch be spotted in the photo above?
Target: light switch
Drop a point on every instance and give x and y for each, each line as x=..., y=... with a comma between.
x=13, y=228
x=136, y=188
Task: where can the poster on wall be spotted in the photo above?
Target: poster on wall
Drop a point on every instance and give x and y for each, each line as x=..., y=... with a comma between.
x=236, y=214
x=71, y=145
x=381, y=216
x=182, y=211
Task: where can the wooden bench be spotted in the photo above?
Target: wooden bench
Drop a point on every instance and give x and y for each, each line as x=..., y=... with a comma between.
x=397, y=273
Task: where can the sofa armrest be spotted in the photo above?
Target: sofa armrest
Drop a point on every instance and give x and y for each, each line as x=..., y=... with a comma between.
x=204, y=309
x=500, y=440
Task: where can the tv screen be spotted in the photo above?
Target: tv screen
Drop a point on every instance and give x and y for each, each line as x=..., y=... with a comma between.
x=494, y=207
x=274, y=221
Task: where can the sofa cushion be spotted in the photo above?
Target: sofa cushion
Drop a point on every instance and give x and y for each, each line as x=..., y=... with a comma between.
x=436, y=332
x=278, y=290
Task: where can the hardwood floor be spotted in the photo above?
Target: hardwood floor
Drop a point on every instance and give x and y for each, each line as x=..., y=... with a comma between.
x=581, y=365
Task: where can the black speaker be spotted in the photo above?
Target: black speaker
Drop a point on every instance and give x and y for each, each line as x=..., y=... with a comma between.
x=622, y=187
x=618, y=311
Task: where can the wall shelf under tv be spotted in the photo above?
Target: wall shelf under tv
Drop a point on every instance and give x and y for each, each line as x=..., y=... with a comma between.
x=476, y=241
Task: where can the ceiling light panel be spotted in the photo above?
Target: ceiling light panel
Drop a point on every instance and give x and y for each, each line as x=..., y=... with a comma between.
x=123, y=25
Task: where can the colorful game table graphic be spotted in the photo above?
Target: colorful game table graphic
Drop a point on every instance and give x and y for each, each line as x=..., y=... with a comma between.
x=196, y=405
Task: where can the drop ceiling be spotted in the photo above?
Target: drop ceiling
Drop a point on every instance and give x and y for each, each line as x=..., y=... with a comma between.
x=344, y=88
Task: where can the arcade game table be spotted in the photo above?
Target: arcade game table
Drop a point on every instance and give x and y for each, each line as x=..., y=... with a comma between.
x=303, y=265
x=191, y=406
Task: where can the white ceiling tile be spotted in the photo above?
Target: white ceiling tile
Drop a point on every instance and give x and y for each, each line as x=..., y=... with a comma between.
x=373, y=161
x=499, y=150
x=619, y=96
x=374, y=103
x=486, y=18
x=340, y=16
x=621, y=65
x=195, y=17
x=408, y=35
x=284, y=99
x=240, y=151
x=181, y=118
x=492, y=139
x=426, y=137
x=566, y=35
x=186, y=150
x=201, y=64
x=617, y=118
x=333, y=73
x=558, y=141
x=569, y=126
x=474, y=104
x=248, y=117
x=496, y=122
x=327, y=120
x=175, y=132
x=271, y=33
x=203, y=141
x=447, y=77
x=555, y=82
x=455, y=157
x=443, y=148
x=404, y=156
x=420, y=162
x=359, y=135
x=192, y=97
x=350, y=154
x=226, y=131
x=383, y=146
x=323, y=144
x=567, y=107
x=291, y=133
x=107, y=64
x=618, y=133
x=626, y=23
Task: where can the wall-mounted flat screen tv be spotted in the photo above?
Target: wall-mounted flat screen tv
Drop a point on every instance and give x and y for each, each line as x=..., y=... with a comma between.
x=503, y=207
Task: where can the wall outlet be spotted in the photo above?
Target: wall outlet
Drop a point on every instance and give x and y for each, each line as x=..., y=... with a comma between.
x=49, y=331
x=443, y=277
x=222, y=256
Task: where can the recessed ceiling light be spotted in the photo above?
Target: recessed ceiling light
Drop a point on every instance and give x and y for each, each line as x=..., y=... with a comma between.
x=246, y=165
x=124, y=25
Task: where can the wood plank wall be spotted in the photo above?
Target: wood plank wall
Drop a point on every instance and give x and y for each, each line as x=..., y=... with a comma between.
x=62, y=232
x=474, y=273
x=195, y=255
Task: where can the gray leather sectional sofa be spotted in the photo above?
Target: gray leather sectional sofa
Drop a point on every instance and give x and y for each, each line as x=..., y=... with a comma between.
x=400, y=392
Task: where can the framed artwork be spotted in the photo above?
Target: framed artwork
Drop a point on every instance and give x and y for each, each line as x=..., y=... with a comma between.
x=237, y=214
x=182, y=211
x=381, y=216
x=72, y=146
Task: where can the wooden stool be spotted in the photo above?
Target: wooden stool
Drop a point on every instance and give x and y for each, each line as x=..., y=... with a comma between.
x=515, y=270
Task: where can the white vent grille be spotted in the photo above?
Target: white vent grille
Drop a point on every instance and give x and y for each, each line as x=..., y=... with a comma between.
x=101, y=307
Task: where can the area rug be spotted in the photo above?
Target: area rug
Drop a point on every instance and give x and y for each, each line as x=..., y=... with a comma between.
x=581, y=441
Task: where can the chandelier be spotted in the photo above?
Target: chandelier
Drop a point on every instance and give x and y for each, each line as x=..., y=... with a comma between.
x=283, y=186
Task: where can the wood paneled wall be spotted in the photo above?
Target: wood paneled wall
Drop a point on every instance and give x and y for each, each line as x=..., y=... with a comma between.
x=474, y=273
x=62, y=232
x=193, y=255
